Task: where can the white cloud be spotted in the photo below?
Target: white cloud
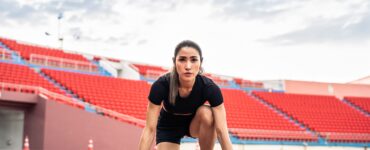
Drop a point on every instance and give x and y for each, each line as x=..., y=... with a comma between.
x=239, y=38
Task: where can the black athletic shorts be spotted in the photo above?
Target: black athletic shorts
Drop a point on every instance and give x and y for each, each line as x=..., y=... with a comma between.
x=171, y=128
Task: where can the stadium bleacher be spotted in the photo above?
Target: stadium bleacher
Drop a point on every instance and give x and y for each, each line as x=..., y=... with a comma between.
x=49, y=56
x=121, y=95
x=245, y=112
x=20, y=74
x=362, y=102
x=325, y=114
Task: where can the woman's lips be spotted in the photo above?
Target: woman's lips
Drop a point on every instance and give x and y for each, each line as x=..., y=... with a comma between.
x=188, y=74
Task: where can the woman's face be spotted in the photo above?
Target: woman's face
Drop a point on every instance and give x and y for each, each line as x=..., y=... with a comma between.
x=187, y=63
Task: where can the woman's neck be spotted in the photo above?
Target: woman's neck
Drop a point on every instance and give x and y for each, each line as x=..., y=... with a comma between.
x=187, y=84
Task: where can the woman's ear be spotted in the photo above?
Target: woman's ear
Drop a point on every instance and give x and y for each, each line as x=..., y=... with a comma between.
x=201, y=70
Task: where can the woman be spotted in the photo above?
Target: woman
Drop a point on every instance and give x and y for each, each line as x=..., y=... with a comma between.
x=176, y=106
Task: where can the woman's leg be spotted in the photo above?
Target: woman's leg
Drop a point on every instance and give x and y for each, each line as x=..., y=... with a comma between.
x=168, y=146
x=202, y=126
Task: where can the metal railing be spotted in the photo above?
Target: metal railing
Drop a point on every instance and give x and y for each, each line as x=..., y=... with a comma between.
x=350, y=137
x=5, y=55
x=62, y=63
x=273, y=134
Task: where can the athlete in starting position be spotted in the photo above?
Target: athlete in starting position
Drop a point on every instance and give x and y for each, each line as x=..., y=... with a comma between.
x=176, y=106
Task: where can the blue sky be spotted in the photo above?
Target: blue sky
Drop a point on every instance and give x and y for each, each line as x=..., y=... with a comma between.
x=311, y=40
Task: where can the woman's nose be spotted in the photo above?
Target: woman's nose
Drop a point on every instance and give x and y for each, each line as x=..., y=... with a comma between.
x=188, y=65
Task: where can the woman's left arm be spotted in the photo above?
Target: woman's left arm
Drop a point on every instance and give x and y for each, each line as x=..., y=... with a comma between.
x=221, y=127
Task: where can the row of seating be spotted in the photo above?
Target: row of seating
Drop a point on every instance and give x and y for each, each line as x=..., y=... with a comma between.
x=19, y=74
x=149, y=71
x=50, y=56
x=26, y=50
x=248, y=83
x=245, y=112
x=362, y=102
x=324, y=114
x=121, y=95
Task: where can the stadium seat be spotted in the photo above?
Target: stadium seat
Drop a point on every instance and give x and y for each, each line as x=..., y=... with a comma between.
x=49, y=56
x=121, y=95
x=362, y=102
x=19, y=74
x=325, y=114
x=250, y=119
x=148, y=71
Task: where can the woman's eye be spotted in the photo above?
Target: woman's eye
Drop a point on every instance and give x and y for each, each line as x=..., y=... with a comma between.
x=194, y=60
x=181, y=59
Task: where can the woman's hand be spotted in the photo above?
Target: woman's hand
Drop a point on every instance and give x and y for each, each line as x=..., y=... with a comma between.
x=149, y=130
x=221, y=127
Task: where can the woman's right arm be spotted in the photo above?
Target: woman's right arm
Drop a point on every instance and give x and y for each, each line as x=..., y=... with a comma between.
x=147, y=136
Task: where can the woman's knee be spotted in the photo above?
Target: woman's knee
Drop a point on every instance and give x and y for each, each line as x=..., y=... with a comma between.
x=205, y=115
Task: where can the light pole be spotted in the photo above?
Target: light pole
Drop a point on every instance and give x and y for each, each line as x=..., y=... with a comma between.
x=60, y=38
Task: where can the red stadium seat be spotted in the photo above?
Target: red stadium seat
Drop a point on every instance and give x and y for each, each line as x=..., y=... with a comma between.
x=324, y=114
x=250, y=119
x=121, y=95
x=49, y=56
x=151, y=72
x=19, y=74
x=362, y=102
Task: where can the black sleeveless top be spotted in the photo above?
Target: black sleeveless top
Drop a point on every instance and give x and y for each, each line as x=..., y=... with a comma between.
x=204, y=89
